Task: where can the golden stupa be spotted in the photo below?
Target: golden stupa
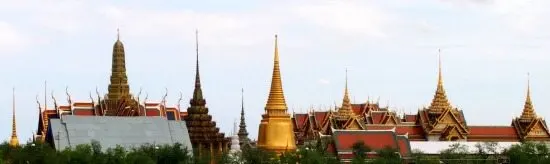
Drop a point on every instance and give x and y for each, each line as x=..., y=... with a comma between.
x=14, y=141
x=276, y=131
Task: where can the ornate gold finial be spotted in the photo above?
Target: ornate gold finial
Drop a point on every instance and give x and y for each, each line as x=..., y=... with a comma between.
x=528, y=110
x=346, y=110
x=440, y=101
x=14, y=142
x=276, y=100
x=118, y=86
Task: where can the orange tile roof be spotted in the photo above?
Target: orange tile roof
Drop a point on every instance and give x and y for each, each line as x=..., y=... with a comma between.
x=374, y=139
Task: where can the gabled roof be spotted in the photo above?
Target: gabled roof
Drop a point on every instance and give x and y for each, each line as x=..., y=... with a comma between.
x=110, y=131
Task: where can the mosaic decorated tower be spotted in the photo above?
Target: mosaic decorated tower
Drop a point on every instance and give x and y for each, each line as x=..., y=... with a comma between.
x=276, y=129
x=204, y=135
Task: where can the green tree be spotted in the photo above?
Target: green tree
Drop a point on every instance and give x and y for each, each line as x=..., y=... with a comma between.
x=529, y=153
x=360, y=152
x=388, y=155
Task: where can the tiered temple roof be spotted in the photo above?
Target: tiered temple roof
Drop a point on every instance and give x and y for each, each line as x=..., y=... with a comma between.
x=243, y=133
x=204, y=134
x=439, y=122
x=117, y=102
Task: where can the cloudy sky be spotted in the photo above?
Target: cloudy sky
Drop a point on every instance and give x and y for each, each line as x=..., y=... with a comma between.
x=389, y=47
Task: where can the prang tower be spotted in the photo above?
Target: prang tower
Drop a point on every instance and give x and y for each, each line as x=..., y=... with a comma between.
x=276, y=130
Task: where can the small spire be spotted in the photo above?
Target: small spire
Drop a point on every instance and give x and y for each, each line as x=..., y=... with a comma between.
x=117, y=34
x=346, y=109
x=440, y=101
x=276, y=99
x=197, y=94
x=14, y=141
x=242, y=133
x=528, y=110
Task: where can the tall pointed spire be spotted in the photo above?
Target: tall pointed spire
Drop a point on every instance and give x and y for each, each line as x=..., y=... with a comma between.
x=276, y=100
x=118, y=86
x=197, y=93
x=440, y=101
x=346, y=110
x=528, y=110
x=14, y=141
x=243, y=133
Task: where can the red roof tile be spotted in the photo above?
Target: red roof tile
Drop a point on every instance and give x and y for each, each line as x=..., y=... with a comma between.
x=300, y=120
x=320, y=117
x=377, y=117
x=492, y=130
x=410, y=130
x=357, y=108
x=374, y=139
x=83, y=112
x=410, y=118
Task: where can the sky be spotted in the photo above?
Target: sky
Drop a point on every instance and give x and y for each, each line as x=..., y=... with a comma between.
x=389, y=47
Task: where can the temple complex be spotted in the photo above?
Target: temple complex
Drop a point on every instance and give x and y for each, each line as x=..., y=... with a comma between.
x=14, y=141
x=379, y=127
x=276, y=131
x=117, y=118
x=205, y=136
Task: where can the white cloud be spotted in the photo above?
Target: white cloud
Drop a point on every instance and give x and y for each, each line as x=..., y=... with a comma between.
x=323, y=81
x=11, y=38
x=345, y=17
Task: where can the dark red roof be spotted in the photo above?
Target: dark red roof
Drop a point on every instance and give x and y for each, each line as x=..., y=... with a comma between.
x=377, y=117
x=357, y=108
x=83, y=112
x=320, y=117
x=300, y=120
x=410, y=118
x=410, y=130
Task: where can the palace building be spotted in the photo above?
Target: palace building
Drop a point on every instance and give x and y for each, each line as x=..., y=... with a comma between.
x=379, y=127
x=120, y=118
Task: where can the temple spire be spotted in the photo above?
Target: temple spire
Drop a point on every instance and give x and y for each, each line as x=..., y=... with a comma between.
x=276, y=100
x=528, y=110
x=118, y=86
x=14, y=141
x=197, y=93
x=346, y=104
x=243, y=133
x=440, y=101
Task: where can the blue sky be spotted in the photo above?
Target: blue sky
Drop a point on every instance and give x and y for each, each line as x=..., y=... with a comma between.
x=389, y=47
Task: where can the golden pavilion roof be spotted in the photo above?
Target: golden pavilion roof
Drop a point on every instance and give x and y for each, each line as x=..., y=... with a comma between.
x=528, y=109
x=440, y=101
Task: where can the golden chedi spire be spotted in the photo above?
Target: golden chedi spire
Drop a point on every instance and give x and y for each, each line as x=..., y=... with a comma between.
x=528, y=110
x=276, y=131
x=346, y=110
x=440, y=101
x=276, y=100
x=14, y=142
